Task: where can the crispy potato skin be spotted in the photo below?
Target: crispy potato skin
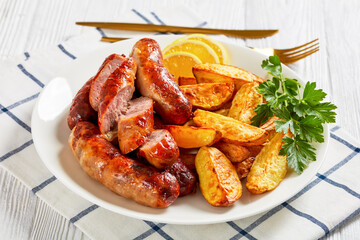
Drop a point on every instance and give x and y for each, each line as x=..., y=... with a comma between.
x=244, y=103
x=235, y=153
x=193, y=137
x=232, y=130
x=269, y=126
x=223, y=111
x=269, y=168
x=186, y=81
x=215, y=73
x=219, y=182
x=208, y=96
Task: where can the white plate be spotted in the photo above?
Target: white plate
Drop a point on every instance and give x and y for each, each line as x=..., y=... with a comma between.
x=50, y=134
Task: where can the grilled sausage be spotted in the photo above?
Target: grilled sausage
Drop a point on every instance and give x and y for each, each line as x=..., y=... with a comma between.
x=115, y=95
x=121, y=174
x=153, y=80
x=110, y=64
x=136, y=125
x=160, y=150
x=185, y=177
x=81, y=109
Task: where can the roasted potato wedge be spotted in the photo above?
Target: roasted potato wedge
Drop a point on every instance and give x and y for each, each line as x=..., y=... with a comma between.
x=243, y=168
x=219, y=182
x=269, y=126
x=186, y=81
x=235, y=153
x=215, y=73
x=208, y=96
x=223, y=111
x=190, y=123
x=193, y=137
x=269, y=168
x=232, y=130
x=244, y=103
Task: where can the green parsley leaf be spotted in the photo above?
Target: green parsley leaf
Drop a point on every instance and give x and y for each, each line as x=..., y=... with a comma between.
x=311, y=95
x=299, y=153
x=263, y=113
x=273, y=65
x=310, y=129
x=302, y=114
x=324, y=111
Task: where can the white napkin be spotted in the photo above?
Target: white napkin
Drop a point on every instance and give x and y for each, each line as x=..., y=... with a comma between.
x=327, y=202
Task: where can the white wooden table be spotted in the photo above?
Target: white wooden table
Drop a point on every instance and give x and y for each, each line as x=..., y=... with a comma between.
x=26, y=25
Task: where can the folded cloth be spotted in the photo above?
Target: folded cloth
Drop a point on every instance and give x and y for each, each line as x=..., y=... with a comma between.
x=328, y=201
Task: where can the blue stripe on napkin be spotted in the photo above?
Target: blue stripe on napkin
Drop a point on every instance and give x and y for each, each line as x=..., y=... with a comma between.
x=15, y=118
x=83, y=213
x=339, y=185
x=157, y=18
x=142, y=16
x=308, y=217
x=32, y=77
x=66, y=52
x=43, y=184
x=27, y=55
x=18, y=103
x=16, y=150
x=240, y=230
x=154, y=228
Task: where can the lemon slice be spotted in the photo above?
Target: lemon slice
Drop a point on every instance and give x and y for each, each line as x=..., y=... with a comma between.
x=180, y=64
x=203, y=51
x=217, y=46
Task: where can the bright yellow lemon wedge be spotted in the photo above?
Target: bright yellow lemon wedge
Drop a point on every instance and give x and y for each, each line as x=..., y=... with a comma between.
x=180, y=64
x=215, y=45
x=198, y=48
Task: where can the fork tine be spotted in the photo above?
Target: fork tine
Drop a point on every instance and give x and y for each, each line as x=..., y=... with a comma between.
x=288, y=60
x=288, y=54
x=295, y=48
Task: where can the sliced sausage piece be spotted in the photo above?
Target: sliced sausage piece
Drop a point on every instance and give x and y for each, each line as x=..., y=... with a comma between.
x=185, y=177
x=160, y=150
x=136, y=125
x=110, y=64
x=121, y=174
x=153, y=80
x=81, y=109
x=115, y=95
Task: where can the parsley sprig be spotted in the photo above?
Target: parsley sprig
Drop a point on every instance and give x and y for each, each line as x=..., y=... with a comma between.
x=303, y=113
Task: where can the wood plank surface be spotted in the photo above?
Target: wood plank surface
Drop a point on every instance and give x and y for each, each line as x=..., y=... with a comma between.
x=28, y=25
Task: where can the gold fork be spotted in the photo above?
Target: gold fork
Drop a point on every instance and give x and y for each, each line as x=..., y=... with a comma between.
x=291, y=55
x=287, y=56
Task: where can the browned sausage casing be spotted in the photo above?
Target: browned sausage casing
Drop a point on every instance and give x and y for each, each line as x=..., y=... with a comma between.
x=160, y=150
x=115, y=95
x=81, y=109
x=153, y=80
x=185, y=177
x=122, y=175
x=110, y=64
